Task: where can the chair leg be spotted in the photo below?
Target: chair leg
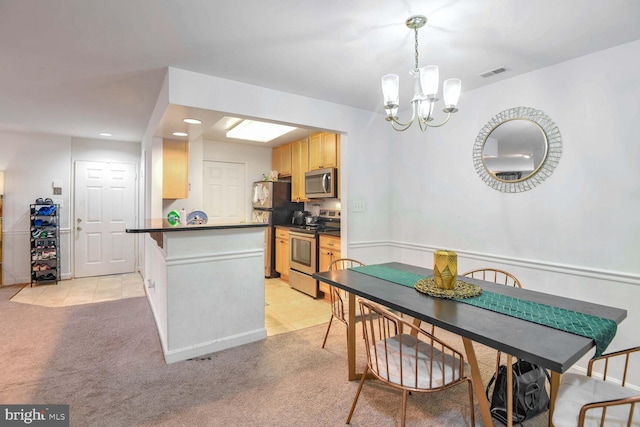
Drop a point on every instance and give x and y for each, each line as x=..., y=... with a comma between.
x=347, y=330
x=355, y=399
x=473, y=416
x=326, y=334
x=498, y=363
x=404, y=408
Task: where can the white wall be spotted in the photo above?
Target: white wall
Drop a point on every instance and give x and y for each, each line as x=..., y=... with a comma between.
x=569, y=218
x=576, y=234
x=257, y=161
x=105, y=151
x=364, y=144
x=31, y=163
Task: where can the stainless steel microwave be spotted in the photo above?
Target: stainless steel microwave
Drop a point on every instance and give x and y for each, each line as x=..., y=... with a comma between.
x=321, y=183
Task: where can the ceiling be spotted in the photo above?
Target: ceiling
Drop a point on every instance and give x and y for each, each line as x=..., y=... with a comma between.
x=79, y=68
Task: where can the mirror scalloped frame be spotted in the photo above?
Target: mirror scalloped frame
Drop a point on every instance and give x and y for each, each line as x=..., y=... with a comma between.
x=542, y=172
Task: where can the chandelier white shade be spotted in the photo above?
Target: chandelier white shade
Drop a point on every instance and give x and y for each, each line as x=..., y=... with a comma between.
x=451, y=93
x=426, y=82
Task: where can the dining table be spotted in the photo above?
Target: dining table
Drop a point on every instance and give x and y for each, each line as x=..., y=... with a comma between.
x=554, y=349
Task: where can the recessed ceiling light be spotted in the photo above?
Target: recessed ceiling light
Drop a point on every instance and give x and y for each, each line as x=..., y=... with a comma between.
x=105, y=134
x=192, y=121
x=180, y=134
x=258, y=131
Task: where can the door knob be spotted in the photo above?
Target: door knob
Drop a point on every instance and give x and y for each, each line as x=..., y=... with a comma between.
x=79, y=228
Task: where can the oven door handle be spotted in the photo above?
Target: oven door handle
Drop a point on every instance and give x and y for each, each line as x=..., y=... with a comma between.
x=324, y=182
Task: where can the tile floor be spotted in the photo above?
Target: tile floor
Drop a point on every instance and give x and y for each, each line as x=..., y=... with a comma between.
x=288, y=310
x=285, y=309
x=82, y=291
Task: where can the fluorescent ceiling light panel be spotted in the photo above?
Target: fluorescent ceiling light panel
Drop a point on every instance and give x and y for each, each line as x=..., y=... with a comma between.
x=251, y=130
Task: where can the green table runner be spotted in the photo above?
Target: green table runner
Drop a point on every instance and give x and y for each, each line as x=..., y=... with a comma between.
x=599, y=329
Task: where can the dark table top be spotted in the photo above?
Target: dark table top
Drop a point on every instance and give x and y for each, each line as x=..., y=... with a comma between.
x=548, y=347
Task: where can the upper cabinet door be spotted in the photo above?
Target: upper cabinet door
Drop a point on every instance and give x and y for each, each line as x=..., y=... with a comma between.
x=281, y=160
x=175, y=169
x=315, y=151
x=323, y=150
x=299, y=165
x=285, y=160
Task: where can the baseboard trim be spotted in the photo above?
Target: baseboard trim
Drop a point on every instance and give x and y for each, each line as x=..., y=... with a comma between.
x=177, y=355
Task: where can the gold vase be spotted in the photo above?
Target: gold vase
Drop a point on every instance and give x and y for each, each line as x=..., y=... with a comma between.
x=445, y=268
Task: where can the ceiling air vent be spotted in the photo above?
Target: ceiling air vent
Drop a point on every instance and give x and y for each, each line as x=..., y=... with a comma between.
x=494, y=71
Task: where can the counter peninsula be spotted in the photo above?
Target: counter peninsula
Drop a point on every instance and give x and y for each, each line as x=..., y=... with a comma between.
x=205, y=285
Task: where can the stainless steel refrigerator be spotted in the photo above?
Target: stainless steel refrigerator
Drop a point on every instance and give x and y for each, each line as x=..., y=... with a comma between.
x=272, y=205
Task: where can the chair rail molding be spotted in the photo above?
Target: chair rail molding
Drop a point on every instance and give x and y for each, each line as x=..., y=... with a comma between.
x=593, y=273
x=213, y=257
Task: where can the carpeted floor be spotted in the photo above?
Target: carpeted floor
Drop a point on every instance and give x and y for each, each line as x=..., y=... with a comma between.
x=105, y=361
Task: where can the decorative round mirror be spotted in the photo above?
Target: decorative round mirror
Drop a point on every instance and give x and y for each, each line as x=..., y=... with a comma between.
x=517, y=149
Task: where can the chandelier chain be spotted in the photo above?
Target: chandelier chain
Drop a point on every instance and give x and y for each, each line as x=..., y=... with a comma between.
x=416, y=52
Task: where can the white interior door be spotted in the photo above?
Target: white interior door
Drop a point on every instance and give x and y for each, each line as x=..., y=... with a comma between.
x=224, y=192
x=104, y=207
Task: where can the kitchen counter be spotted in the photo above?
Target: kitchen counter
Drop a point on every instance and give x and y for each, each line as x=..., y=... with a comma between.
x=162, y=225
x=303, y=229
x=205, y=285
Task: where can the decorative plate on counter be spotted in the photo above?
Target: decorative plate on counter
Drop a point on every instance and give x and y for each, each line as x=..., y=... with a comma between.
x=197, y=217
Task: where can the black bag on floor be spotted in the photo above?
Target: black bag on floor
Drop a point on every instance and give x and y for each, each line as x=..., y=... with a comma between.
x=529, y=392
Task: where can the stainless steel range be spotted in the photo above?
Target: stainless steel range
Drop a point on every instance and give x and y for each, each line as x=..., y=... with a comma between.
x=303, y=244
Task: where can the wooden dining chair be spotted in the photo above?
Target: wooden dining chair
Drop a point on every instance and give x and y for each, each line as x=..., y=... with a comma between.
x=407, y=357
x=337, y=296
x=583, y=400
x=497, y=276
x=494, y=275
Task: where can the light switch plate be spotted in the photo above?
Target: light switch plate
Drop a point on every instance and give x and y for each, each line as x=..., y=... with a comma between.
x=358, y=206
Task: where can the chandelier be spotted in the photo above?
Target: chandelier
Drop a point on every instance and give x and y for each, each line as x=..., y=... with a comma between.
x=426, y=81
